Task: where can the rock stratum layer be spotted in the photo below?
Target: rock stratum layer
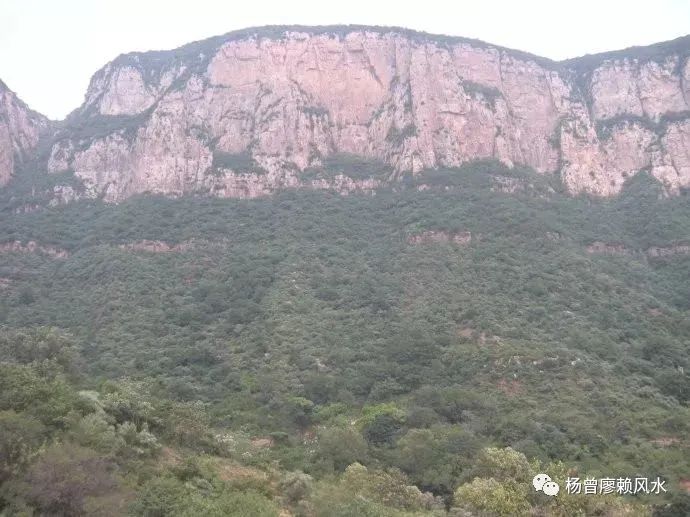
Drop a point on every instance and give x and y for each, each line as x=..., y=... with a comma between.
x=247, y=113
x=20, y=129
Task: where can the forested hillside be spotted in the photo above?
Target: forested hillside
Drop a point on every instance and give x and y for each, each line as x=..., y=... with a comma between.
x=423, y=349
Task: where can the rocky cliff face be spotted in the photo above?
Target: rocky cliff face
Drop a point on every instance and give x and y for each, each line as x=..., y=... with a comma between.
x=247, y=113
x=19, y=132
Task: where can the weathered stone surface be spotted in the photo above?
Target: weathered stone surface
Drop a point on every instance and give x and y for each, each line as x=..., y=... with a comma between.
x=440, y=237
x=290, y=98
x=19, y=132
x=678, y=249
x=156, y=246
x=33, y=247
x=607, y=248
x=628, y=87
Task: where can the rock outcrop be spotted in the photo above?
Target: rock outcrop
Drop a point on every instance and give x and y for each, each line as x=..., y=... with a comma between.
x=440, y=237
x=669, y=251
x=156, y=246
x=20, y=129
x=33, y=247
x=244, y=114
x=607, y=248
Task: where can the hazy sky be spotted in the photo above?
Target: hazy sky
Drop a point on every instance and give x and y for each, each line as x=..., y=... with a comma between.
x=50, y=48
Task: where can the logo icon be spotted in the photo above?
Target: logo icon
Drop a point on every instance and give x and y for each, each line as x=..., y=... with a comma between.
x=543, y=483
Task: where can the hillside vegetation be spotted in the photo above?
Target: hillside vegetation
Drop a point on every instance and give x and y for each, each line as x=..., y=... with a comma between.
x=421, y=351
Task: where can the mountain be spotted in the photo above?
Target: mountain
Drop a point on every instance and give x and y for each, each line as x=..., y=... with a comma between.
x=425, y=345
x=247, y=113
x=20, y=129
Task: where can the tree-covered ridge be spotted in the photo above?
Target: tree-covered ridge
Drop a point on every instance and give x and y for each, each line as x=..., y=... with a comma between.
x=658, y=52
x=307, y=352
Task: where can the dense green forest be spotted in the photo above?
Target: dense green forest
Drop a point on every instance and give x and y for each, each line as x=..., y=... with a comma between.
x=423, y=350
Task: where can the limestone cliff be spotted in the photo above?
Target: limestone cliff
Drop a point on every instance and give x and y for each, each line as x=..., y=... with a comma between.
x=19, y=132
x=244, y=114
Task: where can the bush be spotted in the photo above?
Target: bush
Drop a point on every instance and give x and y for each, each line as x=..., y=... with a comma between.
x=65, y=476
x=296, y=486
x=354, y=166
x=492, y=497
x=161, y=497
x=341, y=447
x=20, y=438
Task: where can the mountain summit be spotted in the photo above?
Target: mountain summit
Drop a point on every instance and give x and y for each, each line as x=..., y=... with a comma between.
x=247, y=113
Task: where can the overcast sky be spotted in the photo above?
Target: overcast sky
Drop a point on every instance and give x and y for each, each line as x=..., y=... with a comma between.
x=50, y=48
